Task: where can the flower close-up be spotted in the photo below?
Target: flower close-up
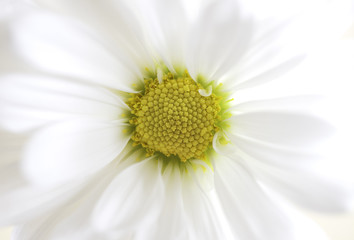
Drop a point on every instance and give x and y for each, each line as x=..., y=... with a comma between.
x=163, y=120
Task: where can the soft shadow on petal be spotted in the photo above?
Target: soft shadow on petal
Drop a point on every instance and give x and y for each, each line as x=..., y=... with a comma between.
x=286, y=129
x=132, y=199
x=304, y=177
x=59, y=46
x=73, y=220
x=73, y=149
x=31, y=101
x=115, y=23
x=70, y=221
x=285, y=148
x=251, y=213
x=229, y=44
x=171, y=220
x=269, y=55
x=22, y=201
x=281, y=41
x=166, y=24
x=11, y=146
x=270, y=73
x=218, y=40
x=203, y=220
x=298, y=103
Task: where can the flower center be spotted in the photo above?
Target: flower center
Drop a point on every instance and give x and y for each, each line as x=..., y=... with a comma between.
x=173, y=118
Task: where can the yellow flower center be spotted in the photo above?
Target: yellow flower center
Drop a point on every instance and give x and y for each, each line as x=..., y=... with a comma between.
x=173, y=118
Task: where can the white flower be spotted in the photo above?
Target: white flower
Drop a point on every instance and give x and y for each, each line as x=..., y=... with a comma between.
x=83, y=90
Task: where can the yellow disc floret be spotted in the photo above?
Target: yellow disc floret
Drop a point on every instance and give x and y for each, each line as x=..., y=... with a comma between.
x=173, y=118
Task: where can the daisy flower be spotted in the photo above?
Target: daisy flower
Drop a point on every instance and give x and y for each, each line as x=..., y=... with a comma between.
x=148, y=120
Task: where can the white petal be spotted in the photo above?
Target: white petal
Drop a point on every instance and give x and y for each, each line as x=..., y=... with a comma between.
x=21, y=201
x=6, y=58
x=281, y=128
x=10, y=147
x=268, y=73
x=243, y=48
x=188, y=210
x=217, y=40
x=115, y=23
x=29, y=101
x=270, y=54
x=229, y=44
x=166, y=24
x=172, y=219
x=73, y=149
x=66, y=48
x=300, y=176
x=275, y=155
x=294, y=160
x=132, y=199
x=70, y=221
x=251, y=213
x=202, y=217
x=298, y=104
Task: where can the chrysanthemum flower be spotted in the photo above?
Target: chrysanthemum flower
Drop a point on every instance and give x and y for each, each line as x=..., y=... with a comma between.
x=139, y=120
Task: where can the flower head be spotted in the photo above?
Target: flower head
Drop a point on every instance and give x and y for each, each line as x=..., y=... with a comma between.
x=134, y=126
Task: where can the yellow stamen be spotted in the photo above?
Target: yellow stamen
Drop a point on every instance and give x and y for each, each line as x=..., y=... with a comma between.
x=172, y=117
